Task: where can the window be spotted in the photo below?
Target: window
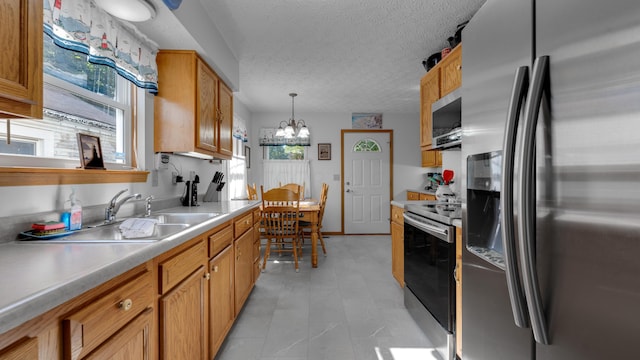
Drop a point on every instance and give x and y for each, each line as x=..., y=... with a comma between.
x=286, y=152
x=366, y=145
x=237, y=172
x=78, y=96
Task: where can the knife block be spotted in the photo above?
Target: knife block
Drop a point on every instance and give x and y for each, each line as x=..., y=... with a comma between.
x=212, y=195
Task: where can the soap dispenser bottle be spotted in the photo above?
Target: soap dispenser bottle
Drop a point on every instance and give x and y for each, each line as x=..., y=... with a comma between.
x=75, y=211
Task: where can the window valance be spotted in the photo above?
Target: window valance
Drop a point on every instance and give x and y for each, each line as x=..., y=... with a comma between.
x=82, y=26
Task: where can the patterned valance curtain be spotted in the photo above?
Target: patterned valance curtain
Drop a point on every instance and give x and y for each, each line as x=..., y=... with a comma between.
x=82, y=26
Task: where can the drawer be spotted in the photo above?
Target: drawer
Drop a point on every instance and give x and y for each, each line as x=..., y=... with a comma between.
x=177, y=268
x=396, y=215
x=242, y=224
x=94, y=323
x=219, y=240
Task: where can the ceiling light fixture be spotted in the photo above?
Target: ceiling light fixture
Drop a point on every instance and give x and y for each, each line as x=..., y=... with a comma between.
x=130, y=10
x=292, y=128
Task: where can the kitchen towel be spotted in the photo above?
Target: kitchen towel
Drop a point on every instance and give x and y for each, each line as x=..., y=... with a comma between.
x=136, y=228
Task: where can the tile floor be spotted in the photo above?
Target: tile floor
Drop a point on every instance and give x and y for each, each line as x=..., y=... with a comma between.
x=349, y=308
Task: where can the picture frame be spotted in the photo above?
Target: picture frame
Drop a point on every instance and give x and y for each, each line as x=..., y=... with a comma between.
x=324, y=151
x=90, y=152
x=247, y=156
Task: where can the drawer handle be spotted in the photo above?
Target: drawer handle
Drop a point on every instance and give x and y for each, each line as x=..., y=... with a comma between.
x=126, y=304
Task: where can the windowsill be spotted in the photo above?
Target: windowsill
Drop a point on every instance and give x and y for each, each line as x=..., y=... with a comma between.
x=26, y=176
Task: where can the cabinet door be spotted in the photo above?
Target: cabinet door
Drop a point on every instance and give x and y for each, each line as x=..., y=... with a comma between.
x=206, y=115
x=397, y=252
x=451, y=71
x=225, y=113
x=429, y=93
x=132, y=342
x=26, y=348
x=431, y=158
x=221, y=298
x=243, y=247
x=182, y=319
x=21, y=64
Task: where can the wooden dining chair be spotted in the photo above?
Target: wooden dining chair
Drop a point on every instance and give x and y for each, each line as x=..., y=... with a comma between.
x=294, y=187
x=280, y=214
x=252, y=192
x=306, y=225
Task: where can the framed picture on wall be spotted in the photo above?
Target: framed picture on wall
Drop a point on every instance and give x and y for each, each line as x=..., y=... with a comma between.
x=324, y=151
x=247, y=156
x=90, y=152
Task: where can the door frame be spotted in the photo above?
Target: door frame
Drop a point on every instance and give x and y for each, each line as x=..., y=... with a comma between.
x=342, y=133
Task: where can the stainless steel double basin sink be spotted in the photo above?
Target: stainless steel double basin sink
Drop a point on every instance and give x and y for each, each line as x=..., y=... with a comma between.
x=167, y=225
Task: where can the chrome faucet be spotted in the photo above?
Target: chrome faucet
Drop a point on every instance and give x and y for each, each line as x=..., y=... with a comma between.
x=114, y=205
x=147, y=208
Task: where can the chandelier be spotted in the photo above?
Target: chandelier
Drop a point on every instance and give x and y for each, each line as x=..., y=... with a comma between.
x=292, y=128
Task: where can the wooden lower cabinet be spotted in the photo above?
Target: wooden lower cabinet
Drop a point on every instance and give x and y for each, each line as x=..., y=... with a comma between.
x=182, y=305
x=133, y=342
x=397, y=244
x=182, y=319
x=243, y=268
x=179, y=305
x=26, y=348
x=221, y=298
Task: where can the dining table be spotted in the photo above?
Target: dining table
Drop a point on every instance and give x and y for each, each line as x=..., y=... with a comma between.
x=310, y=211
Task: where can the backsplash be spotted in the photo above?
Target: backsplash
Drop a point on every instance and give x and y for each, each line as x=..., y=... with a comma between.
x=452, y=159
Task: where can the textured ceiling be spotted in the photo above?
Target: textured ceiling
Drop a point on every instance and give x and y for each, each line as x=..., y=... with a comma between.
x=338, y=55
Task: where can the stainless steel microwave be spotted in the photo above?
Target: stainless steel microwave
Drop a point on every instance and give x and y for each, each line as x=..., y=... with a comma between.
x=446, y=121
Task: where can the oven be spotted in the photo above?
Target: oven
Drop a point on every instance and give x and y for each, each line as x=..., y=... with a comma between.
x=429, y=264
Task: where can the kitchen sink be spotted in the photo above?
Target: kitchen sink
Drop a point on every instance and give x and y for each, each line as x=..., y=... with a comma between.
x=168, y=224
x=182, y=218
x=111, y=233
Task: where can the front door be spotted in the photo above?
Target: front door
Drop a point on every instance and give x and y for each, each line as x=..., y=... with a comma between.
x=366, y=187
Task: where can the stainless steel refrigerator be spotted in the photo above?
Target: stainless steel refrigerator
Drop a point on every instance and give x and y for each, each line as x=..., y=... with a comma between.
x=551, y=183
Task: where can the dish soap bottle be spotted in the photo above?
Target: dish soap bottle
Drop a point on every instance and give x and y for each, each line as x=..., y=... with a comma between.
x=75, y=212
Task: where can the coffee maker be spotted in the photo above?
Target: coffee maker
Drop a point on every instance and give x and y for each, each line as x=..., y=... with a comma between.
x=190, y=195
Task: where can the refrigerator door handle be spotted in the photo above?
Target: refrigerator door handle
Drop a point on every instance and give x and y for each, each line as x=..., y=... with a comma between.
x=527, y=201
x=516, y=295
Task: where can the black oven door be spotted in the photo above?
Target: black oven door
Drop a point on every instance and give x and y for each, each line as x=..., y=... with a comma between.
x=429, y=262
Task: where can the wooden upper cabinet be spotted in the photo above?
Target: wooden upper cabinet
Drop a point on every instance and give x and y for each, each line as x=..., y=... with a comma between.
x=206, y=113
x=225, y=106
x=429, y=93
x=193, y=109
x=451, y=71
x=21, y=29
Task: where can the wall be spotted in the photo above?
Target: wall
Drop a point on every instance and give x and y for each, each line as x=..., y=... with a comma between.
x=452, y=160
x=325, y=128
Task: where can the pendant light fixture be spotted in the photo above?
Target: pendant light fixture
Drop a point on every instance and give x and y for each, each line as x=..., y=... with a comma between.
x=292, y=128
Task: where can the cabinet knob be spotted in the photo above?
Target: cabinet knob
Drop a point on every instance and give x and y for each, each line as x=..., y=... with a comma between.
x=207, y=276
x=459, y=67
x=126, y=304
x=215, y=268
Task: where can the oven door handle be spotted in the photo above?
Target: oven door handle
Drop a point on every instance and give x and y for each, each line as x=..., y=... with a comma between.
x=441, y=233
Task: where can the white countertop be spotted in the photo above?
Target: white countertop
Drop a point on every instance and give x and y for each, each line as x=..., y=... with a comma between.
x=36, y=277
